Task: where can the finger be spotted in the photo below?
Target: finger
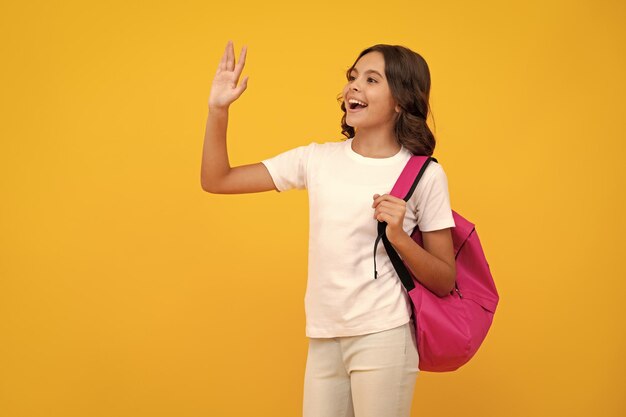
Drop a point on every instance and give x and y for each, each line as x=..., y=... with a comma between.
x=242, y=87
x=379, y=197
x=390, y=209
x=393, y=201
x=383, y=200
x=222, y=64
x=390, y=197
x=240, y=64
x=242, y=55
x=382, y=217
x=230, y=62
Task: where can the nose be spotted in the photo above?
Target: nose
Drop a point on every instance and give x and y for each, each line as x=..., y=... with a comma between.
x=353, y=84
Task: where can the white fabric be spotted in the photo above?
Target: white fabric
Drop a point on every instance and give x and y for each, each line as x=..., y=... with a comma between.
x=342, y=297
x=370, y=375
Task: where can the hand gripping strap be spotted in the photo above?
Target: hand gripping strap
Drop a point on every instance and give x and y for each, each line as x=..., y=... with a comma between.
x=403, y=188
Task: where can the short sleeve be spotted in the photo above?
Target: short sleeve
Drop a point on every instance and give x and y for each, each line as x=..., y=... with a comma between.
x=289, y=169
x=433, y=200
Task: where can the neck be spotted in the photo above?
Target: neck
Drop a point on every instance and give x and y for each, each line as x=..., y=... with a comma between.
x=375, y=144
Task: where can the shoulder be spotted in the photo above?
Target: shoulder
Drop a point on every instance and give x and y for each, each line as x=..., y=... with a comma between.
x=433, y=175
x=432, y=186
x=322, y=149
x=305, y=153
x=432, y=199
x=328, y=145
x=322, y=146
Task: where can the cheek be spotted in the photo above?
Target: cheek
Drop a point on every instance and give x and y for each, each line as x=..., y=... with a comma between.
x=380, y=102
x=343, y=95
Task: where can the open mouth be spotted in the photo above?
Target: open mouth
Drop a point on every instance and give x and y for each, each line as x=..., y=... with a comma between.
x=355, y=106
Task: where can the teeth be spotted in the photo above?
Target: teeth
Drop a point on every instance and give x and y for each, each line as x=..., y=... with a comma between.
x=352, y=100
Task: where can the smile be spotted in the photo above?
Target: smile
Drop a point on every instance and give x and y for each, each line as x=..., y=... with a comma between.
x=358, y=109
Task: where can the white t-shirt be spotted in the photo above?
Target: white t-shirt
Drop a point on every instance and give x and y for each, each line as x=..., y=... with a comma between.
x=342, y=297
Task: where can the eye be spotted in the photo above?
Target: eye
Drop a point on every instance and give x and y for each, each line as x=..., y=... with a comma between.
x=350, y=78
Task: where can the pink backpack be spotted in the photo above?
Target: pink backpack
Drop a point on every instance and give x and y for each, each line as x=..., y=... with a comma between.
x=449, y=329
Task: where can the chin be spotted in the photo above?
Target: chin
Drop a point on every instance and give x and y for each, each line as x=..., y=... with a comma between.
x=351, y=121
x=356, y=124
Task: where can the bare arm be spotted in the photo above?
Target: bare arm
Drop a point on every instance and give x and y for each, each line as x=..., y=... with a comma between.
x=434, y=264
x=216, y=175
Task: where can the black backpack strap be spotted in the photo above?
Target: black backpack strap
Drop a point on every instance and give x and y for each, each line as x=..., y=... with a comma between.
x=396, y=261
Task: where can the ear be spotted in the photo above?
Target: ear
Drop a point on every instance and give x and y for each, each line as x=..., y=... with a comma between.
x=397, y=109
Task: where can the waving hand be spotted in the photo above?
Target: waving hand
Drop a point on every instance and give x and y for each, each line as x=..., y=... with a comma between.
x=224, y=90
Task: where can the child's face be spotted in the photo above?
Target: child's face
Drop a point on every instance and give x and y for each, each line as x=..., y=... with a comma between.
x=371, y=88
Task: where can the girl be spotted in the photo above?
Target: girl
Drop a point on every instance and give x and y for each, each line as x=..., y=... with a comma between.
x=362, y=357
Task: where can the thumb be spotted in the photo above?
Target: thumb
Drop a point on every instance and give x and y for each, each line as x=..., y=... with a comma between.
x=242, y=86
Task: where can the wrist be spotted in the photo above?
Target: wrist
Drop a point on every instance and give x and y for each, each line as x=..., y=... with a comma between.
x=396, y=238
x=218, y=109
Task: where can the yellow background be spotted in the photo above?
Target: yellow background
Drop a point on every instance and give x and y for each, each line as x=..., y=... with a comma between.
x=126, y=290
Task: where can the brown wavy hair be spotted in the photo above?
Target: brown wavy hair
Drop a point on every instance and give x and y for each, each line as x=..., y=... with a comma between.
x=409, y=81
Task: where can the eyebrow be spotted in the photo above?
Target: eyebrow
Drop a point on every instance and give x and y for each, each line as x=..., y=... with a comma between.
x=369, y=70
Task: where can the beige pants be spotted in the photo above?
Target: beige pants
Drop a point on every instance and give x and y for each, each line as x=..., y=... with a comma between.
x=371, y=375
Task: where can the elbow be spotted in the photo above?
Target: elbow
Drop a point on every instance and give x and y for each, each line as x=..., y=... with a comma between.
x=450, y=283
x=444, y=292
x=206, y=186
x=214, y=184
x=210, y=185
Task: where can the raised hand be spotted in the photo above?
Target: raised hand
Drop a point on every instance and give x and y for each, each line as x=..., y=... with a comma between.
x=224, y=89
